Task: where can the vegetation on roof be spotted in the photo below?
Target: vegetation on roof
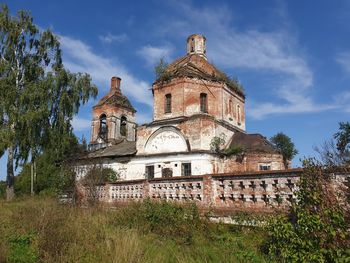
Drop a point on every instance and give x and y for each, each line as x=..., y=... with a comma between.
x=164, y=74
x=232, y=82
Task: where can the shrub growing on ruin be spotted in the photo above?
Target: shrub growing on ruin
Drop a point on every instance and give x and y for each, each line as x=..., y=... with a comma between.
x=161, y=71
x=234, y=150
x=217, y=143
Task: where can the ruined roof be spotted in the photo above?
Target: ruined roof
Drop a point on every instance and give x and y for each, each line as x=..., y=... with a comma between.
x=121, y=148
x=252, y=143
x=116, y=99
x=115, y=96
x=197, y=66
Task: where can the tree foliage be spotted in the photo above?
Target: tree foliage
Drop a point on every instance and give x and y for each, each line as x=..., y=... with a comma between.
x=96, y=176
x=161, y=71
x=316, y=228
x=343, y=141
x=39, y=97
x=336, y=151
x=54, y=170
x=285, y=146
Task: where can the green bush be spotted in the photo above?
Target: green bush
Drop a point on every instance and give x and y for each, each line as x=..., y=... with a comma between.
x=234, y=150
x=316, y=229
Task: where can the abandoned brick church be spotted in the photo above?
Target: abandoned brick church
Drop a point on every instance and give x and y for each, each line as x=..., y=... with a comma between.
x=198, y=125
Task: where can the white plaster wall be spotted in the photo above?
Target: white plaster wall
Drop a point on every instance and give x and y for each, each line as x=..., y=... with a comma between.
x=200, y=164
x=166, y=141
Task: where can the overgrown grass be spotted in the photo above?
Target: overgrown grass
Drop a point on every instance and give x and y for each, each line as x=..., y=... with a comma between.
x=40, y=230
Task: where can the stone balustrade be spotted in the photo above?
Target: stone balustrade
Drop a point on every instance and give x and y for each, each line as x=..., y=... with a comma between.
x=255, y=191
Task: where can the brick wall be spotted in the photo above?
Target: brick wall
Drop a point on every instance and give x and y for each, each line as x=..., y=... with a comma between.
x=221, y=193
x=258, y=191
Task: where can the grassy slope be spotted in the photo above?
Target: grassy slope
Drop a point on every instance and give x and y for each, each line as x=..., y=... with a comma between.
x=40, y=230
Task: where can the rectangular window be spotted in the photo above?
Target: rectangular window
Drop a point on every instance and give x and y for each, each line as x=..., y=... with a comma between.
x=204, y=103
x=167, y=106
x=264, y=167
x=149, y=171
x=239, y=115
x=186, y=169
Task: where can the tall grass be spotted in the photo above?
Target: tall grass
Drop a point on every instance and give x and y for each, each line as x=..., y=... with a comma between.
x=40, y=230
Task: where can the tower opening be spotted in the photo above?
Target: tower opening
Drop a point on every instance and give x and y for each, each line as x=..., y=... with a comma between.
x=103, y=132
x=123, y=128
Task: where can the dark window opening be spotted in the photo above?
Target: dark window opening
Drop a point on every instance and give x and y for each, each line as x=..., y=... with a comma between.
x=186, y=169
x=167, y=106
x=239, y=117
x=204, y=102
x=149, y=171
x=264, y=167
x=192, y=45
x=103, y=127
x=230, y=107
x=167, y=172
x=123, y=128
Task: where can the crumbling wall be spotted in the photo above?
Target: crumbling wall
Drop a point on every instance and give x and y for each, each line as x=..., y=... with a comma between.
x=252, y=192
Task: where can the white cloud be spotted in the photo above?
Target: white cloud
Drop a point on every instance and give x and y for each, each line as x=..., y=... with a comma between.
x=343, y=100
x=276, y=53
x=110, y=38
x=78, y=57
x=80, y=124
x=344, y=60
x=153, y=54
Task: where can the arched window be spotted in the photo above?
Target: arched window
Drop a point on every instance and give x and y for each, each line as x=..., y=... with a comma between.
x=167, y=105
x=204, y=102
x=230, y=111
x=123, y=128
x=192, y=45
x=103, y=127
x=239, y=117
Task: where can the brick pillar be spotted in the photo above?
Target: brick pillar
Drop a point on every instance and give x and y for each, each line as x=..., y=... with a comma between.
x=106, y=193
x=208, y=198
x=146, y=188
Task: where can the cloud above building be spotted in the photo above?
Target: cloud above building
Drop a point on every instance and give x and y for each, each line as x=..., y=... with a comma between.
x=276, y=53
x=80, y=57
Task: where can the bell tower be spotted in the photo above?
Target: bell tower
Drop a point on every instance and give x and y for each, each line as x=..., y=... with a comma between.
x=113, y=118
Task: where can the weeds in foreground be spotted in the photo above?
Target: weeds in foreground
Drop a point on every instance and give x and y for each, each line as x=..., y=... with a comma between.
x=40, y=230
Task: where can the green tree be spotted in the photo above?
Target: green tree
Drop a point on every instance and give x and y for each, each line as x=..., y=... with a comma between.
x=54, y=172
x=285, y=146
x=39, y=97
x=336, y=151
x=316, y=228
x=343, y=141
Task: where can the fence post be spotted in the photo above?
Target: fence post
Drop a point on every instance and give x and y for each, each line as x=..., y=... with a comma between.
x=146, y=188
x=207, y=190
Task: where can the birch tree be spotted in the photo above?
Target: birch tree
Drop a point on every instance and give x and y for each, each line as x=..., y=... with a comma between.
x=38, y=96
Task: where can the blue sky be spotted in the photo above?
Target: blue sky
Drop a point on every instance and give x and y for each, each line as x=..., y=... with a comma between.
x=292, y=57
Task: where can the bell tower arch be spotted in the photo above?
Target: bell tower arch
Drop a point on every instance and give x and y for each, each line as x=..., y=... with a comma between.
x=113, y=118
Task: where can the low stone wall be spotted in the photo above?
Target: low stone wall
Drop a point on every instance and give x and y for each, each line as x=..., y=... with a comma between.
x=254, y=192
